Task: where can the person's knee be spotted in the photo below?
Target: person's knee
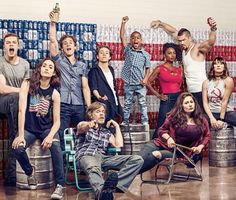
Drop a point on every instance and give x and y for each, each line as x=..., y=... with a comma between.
x=137, y=159
x=93, y=169
x=18, y=151
x=157, y=154
x=56, y=147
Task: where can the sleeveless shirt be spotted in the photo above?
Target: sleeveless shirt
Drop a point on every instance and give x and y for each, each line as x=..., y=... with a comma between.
x=195, y=72
x=215, y=95
x=38, y=116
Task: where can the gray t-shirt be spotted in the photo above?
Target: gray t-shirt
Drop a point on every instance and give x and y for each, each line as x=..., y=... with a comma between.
x=14, y=74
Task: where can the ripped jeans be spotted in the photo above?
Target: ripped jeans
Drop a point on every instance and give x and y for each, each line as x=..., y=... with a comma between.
x=149, y=159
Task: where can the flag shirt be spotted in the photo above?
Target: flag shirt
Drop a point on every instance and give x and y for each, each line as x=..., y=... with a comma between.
x=38, y=116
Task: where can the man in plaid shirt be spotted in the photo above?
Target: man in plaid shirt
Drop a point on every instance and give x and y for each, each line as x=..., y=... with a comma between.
x=91, y=149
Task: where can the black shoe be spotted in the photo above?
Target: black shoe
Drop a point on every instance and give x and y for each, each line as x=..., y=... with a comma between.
x=195, y=158
x=108, y=187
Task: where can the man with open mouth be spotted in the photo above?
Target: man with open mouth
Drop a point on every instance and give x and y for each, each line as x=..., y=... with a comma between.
x=13, y=71
x=74, y=89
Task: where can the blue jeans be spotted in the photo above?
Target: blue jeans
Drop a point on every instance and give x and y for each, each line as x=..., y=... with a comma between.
x=56, y=153
x=198, y=97
x=230, y=118
x=128, y=167
x=9, y=106
x=70, y=114
x=149, y=159
x=165, y=107
x=141, y=94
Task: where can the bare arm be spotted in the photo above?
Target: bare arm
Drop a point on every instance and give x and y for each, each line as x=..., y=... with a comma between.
x=205, y=102
x=166, y=27
x=47, y=142
x=56, y=113
x=229, y=87
x=86, y=91
x=117, y=140
x=151, y=78
x=6, y=89
x=53, y=45
x=205, y=46
x=21, y=115
x=214, y=123
x=122, y=31
x=147, y=73
x=98, y=96
x=84, y=126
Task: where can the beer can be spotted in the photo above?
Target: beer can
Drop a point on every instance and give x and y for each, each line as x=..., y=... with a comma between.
x=4, y=24
x=45, y=26
x=39, y=25
x=30, y=23
x=10, y=24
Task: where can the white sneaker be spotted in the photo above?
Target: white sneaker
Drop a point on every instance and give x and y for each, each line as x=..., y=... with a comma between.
x=145, y=123
x=58, y=192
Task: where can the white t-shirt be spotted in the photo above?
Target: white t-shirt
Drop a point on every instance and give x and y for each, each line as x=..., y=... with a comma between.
x=110, y=81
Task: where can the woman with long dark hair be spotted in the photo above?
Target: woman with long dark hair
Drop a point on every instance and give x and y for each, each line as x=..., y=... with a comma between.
x=170, y=80
x=185, y=125
x=39, y=118
x=216, y=93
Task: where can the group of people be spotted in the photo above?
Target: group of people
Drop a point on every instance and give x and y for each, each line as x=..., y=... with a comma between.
x=61, y=87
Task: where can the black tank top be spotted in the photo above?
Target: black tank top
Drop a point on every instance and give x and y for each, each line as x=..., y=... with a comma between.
x=38, y=116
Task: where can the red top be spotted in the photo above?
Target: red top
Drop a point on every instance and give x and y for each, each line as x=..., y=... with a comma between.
x=170, y=80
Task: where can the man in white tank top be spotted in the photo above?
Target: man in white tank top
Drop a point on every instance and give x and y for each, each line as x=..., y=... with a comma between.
x=194, y=55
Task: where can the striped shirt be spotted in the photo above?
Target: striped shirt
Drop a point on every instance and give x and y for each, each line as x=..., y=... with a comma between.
x=93, y=141
x=136, y=62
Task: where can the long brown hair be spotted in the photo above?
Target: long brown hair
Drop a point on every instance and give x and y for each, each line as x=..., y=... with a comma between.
x=34, y=81
x=211, y=73
x=178, y=116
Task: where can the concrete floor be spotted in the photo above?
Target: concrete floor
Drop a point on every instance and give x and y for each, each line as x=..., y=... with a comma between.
x=217, y=184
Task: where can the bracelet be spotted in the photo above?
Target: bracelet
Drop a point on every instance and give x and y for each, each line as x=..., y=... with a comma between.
x=168, y=138
x=214, y=28
x=222, y=119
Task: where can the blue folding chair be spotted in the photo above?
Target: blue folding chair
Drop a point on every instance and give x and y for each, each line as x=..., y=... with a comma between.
x=71, y=164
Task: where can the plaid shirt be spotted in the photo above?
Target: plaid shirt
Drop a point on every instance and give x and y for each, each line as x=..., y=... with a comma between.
x=71, y=80
x=95, y=140
x=135, y=65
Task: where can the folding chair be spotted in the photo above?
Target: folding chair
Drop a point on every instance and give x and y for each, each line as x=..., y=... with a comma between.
x=170, y=163
x=71, y=164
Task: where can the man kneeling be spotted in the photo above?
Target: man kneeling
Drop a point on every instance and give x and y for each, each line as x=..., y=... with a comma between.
x=91, y=148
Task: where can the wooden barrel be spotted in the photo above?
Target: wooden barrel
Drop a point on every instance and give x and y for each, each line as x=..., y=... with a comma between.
x=135, y=137
x=222, y=148
x=43, y=167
